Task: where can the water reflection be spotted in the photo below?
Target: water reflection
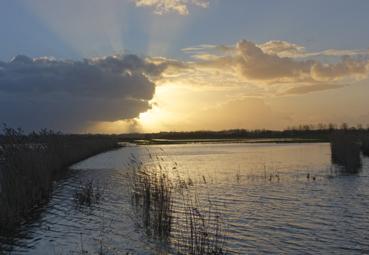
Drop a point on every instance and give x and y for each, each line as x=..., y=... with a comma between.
x=269, y=206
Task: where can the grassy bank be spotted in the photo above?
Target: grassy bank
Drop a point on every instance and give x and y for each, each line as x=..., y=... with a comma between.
x=29, y=164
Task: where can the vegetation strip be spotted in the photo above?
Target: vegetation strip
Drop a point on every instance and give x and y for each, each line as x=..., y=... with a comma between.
x=29, y=164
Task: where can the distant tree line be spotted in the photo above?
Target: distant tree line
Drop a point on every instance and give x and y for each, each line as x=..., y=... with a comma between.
x=319, y=132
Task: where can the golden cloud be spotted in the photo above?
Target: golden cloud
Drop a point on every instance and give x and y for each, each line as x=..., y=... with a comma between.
x=274, y=63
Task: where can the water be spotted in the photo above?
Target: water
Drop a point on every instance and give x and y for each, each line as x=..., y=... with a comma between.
x=268, y=204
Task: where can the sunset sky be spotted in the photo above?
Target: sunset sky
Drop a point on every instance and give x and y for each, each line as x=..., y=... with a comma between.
x=173, y=65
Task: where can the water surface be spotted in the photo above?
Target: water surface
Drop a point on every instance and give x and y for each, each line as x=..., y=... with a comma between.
x=268, y=204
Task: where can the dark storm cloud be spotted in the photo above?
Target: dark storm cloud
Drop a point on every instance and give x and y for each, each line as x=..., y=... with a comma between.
x=67, y=95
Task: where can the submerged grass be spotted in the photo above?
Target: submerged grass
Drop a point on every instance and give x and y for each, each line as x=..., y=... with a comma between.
x=88, y=194
x=29, y=164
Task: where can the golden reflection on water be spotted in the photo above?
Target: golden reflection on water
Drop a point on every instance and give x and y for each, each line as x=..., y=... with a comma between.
x=262, y=191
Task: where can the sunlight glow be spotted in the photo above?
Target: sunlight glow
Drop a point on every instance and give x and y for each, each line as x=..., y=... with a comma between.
x=150, y=117
x=163, y=113
x=153, y=120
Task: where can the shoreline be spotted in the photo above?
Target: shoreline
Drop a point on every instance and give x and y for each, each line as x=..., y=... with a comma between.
x=27, y=173
x=217, y=141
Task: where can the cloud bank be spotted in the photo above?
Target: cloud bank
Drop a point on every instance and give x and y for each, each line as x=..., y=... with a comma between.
x=164, y=6
x=67, y=95
x=261, y=63
x=274, y=67
x=73, y=95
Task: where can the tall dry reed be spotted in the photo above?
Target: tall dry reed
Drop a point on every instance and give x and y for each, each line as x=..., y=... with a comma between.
x=200, y=227
x=29, y=164
x=152, y=198
x=157, y=189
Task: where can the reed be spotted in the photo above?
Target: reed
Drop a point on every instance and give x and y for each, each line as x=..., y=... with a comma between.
x=29, y=164
x=88, y=194
x=154, y=189
x=152, y=198
x=345, y=151
x=202, y=231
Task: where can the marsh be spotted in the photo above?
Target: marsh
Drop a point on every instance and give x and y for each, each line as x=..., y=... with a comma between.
x=267, y=203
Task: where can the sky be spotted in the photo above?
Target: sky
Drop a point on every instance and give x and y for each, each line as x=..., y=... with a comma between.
x=118, y=66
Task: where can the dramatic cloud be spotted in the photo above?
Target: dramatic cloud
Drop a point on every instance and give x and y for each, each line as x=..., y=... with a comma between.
x=76, y=95
x=179, y=6
x=272, y=63
x=68, y=95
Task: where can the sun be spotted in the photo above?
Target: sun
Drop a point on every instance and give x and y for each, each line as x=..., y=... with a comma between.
x=151, y=120
x=160, y=115
x=149, y=116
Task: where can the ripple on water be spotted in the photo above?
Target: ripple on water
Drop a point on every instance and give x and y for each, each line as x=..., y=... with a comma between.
x=269, y=206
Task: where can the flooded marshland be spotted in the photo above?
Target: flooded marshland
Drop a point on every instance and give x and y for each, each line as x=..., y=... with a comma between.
x=272, y=199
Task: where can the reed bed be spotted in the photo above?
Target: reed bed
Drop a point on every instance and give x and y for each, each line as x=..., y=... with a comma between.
x=152, y=198
x=157, y=192
x=345, y=150
x=29, y=164
x=199, y=227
